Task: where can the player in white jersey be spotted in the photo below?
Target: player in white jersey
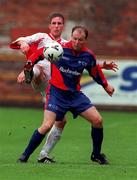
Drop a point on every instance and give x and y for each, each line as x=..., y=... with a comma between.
x=39, y=76
x=28, y=45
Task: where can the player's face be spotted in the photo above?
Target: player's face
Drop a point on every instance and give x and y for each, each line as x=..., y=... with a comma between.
x=56, y=27
x=78, y=40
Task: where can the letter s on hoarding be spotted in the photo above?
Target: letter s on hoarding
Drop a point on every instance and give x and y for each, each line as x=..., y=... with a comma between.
x=127, y=75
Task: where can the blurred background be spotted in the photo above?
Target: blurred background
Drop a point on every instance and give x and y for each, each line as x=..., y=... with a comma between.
x=112, y=29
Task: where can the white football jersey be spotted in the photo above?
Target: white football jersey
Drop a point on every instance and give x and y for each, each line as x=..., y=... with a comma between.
x=40, y=40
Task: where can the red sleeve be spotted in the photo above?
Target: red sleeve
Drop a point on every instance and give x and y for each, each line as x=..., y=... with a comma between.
x=33, y=51
x=36, y=56
x=99, y=76
x=14, y=45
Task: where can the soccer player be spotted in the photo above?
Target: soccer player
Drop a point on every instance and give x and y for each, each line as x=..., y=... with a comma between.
x=28, y=45
x=63, y=93
x=40, y=75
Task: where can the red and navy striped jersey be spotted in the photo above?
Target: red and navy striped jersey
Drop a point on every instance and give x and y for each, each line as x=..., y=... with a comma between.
x=67, y=72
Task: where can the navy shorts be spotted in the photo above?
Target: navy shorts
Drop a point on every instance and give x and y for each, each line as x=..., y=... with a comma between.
x=60, y=102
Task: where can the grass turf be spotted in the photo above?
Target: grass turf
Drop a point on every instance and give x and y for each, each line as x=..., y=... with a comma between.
x=73, y=151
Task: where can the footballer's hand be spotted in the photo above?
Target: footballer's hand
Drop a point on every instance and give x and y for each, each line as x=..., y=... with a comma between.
x=21, y=78
x=109, y=89
x=110, y=66
x=24, y=47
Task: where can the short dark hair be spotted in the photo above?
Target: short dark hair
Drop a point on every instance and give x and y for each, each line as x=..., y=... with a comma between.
x=81, y=28
x=53, y=15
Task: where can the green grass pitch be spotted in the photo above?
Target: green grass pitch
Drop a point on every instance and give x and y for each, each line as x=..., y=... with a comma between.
x=72, y=153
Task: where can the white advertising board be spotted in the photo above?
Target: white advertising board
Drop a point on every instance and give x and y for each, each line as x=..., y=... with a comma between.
x=124, y=82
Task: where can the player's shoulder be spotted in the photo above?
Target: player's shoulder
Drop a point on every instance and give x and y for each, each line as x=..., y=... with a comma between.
x=38, y=35
x=41, y=34
x=66, y=44
x=88, y=51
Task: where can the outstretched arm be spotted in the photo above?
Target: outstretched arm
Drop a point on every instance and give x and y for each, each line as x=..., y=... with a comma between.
x=109, y=89
x=99, y=77
x=20, y=44
x=111, y=65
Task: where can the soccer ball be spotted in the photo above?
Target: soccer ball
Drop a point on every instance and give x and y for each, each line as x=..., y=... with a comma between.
x=53, y=51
